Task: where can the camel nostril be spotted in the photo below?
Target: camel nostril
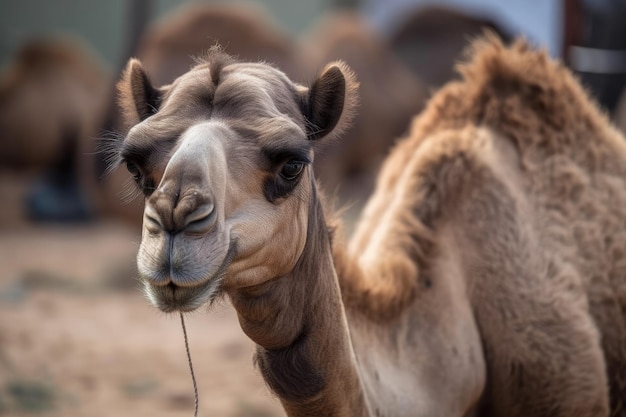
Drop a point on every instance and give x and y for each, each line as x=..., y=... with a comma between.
x=200, y=213
x=151, y=220
x=201, y=220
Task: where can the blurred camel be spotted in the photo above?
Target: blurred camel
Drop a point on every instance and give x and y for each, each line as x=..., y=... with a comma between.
x=430, y=40
x=52, y=100
x=390, y=95
x=52, y=92
x=169, y=47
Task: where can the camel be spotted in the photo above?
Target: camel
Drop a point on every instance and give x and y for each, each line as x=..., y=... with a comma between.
x=425, y=29
x=52, y=97
x=248, y=32
x=486, y=277
x=53, y=91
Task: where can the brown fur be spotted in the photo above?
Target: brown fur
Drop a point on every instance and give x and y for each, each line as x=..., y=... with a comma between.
x=485, y=278
x=520, y=166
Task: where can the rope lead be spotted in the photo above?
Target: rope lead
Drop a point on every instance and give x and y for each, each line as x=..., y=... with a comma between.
x=193, y=376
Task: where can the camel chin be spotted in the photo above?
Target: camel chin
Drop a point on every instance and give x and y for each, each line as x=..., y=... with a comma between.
x=173, y=298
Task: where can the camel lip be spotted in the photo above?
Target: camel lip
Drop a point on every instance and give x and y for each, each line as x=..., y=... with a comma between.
x=172, y=297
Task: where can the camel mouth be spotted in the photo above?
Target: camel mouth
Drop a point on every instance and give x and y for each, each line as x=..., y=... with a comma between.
x=172, y=297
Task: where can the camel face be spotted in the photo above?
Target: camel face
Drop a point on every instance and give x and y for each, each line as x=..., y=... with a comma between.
x=223, y=158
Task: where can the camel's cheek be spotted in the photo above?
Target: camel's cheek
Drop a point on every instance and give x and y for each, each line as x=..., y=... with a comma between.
x=268, y=243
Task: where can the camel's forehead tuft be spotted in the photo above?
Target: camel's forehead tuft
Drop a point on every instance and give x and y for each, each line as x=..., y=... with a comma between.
x=234, y=91
x=214, y=58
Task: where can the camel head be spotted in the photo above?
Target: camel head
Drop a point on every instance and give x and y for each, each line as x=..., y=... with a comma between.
x=223, y=158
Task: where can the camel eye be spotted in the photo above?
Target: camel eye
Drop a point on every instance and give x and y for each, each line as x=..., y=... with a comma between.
x=291, y=170
x=134, y=170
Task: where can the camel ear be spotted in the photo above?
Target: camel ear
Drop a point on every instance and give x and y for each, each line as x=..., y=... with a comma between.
x=330, y=103
x=138, y=98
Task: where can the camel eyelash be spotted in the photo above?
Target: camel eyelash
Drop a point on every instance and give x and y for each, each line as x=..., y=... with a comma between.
x=130, y=191
x=140, y=183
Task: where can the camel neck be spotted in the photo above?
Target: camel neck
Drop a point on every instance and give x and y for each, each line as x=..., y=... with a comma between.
x=299, y=325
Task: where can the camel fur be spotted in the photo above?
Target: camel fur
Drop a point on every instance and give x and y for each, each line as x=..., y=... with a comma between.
x=516, y=178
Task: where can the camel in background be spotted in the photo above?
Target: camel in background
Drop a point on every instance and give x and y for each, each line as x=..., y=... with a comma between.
x=390, y=95
x=430, y=41
x=52, y=99
x=170, y=45
x=60, y=84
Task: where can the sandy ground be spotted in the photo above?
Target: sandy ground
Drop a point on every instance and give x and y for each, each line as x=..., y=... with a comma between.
x=77, y=337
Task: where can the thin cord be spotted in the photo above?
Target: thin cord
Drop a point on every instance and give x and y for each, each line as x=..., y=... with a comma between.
x=193, y=376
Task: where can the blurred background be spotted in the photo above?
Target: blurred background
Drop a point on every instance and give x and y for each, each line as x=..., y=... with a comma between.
x=77, y=337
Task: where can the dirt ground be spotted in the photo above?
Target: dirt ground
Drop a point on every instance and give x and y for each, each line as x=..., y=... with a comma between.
x=78, y=338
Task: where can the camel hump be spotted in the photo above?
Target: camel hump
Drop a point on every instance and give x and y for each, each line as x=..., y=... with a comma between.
x=519, y=91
